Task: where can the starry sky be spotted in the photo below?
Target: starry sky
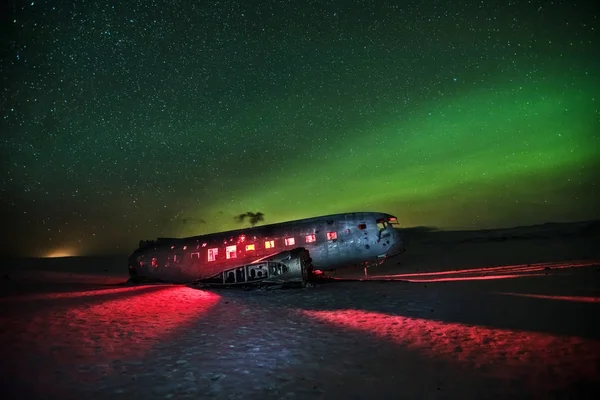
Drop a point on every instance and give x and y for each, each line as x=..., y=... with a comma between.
x=129, y=120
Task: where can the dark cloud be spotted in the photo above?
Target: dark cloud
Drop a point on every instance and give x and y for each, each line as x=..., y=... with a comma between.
x=187, y=220
x=253, y=218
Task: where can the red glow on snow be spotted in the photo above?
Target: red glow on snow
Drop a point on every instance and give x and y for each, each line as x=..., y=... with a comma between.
x=579, y=299
x=98, y=328
x=542, y=360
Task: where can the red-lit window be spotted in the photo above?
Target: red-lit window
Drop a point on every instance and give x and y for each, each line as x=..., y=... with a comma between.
x=212, y=254
x=362, y=226
x=154, y=262
x=195, y=256
x=185, y=247
x=269, y=244
x=310, y=238
x=331, y=235
x=290, y=241
x=230, y=252
x=250, y=247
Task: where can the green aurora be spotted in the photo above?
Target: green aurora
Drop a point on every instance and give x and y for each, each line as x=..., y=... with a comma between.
x=484, y=158
x=122, y=123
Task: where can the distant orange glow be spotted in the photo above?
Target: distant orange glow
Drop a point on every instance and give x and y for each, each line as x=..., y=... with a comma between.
x=581, y=299
x=504, y=354
x=61, y=253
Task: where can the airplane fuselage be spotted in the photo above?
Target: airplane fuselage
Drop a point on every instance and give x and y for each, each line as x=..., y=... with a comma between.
x=333, y=241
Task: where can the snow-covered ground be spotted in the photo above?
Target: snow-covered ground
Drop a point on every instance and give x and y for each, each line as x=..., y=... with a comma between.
x=482, y=329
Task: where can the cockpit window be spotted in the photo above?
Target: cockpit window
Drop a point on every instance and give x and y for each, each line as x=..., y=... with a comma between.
x=384, y=227
x=382, y=224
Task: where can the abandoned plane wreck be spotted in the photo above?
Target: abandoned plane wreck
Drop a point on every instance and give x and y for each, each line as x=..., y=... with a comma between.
x=286, y=252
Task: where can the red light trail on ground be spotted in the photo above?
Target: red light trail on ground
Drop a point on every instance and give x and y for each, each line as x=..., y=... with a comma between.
x=488, y=273
x=470, y=278
x=579, y=299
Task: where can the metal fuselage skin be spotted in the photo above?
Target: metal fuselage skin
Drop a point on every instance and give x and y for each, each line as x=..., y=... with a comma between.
x=333, y=241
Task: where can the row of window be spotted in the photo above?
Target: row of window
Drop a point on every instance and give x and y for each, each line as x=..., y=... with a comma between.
x=231, y=251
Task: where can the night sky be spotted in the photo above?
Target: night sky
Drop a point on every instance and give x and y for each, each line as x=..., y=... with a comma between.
x=127, y=120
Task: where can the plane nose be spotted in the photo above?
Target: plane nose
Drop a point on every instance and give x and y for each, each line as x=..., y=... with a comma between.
x=397, y=245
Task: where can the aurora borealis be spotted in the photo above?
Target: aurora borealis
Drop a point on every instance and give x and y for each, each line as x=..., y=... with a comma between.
x=131, y=120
